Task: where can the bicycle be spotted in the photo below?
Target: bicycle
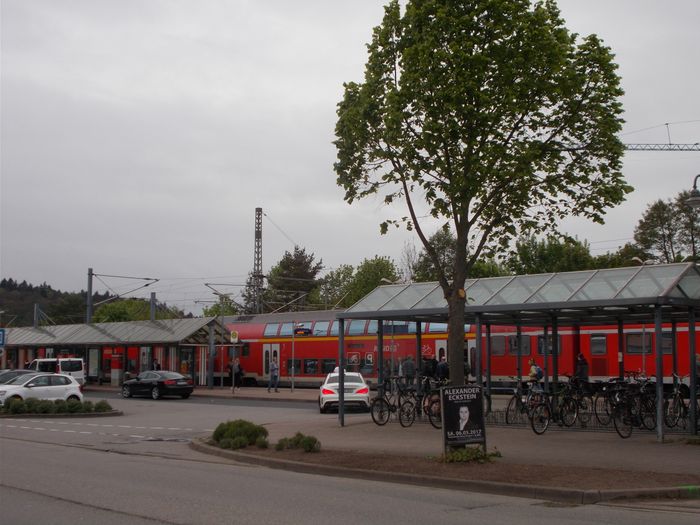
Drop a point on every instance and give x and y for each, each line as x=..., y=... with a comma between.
x=675, y=408
x=521, y=403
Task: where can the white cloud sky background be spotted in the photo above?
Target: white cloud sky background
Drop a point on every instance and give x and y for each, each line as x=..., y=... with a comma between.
x=139, y=136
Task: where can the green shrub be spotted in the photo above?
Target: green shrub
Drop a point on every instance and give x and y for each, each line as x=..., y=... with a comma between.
x=261, y=442
x=16, y=406
x=239, y=428
x=61, y=406
x=74, y=407
x=239, y=442
x=226, y=443
x=299, y=440
x=469, y=455
x=45, y=407
x=102, y=406
x=88, y=406
x=30, y=405
x=310, y=444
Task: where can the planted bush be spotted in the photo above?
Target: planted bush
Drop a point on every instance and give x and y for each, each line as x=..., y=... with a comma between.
x=16, y=406
x=59, y=406
x=299, y=441
x=102, y=406
x=469, y=455
x=239, y=431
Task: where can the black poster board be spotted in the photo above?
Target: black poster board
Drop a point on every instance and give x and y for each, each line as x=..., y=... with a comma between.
x=462, y=416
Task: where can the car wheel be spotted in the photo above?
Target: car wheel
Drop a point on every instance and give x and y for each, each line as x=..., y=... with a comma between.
x=155, y=393
x=185, y=396
x=322, y=409
x=126, y=391
x=73, y=398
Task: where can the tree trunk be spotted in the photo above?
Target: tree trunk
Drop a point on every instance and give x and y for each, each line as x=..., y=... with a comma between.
x=455, y=337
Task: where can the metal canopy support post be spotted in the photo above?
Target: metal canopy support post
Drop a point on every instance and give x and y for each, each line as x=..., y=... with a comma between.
x=477, y=359
x=380, y=352
x=674, y=353
x=419, y=351
x=519, y=342
x=555, y=350
x=693, y=373
x=488, y=365
x=620, y=349
x=210, y=357
x=341, y=372
x=659, y=376
x=545, y=352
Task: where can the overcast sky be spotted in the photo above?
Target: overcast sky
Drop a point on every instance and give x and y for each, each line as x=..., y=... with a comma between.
x=139, y=136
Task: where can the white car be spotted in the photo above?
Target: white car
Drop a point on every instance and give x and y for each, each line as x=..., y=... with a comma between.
x=41, y=386
x=356, y=392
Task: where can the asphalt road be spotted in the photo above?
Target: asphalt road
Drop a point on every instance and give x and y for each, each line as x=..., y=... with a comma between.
x=138, y=469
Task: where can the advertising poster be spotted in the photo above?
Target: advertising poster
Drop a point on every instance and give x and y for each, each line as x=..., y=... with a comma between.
x=462, y=416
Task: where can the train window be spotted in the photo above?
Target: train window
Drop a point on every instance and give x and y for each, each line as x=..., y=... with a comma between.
x=357, y=327
x=334, y=328
x=328, y=365
x=271, y=329
x=373, y=326
x=296, y=363
x=437, y=327
x=638, y=343
x=498, y=345
x=599, y=345
x=550, y=350
x=286, y=329
x=667, y=343
x=513, y=345
x=311, y=366
x=320, y=328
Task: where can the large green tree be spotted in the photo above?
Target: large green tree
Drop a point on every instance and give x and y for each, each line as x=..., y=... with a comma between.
x=333, y=288
x=291, y=280
x=369, y=274
x=533, y=255
x=489, y=114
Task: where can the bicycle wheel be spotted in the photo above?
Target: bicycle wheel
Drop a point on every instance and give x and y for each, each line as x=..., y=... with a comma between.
x=602, y=406
x=672, y=410
x=540, y=417
x=407, y=414
x=585, y=409
x=515, y=411
x=380, y=411
x=435, y=414
x=622, y=420
x=568, y=411
x=648, y=413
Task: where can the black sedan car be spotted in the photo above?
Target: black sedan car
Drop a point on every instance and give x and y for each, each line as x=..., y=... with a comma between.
x=6, y=375
x=158, y=383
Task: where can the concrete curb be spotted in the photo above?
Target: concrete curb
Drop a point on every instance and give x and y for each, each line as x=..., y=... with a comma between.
x=566, y=495
x=217, y=394
x=64, y=415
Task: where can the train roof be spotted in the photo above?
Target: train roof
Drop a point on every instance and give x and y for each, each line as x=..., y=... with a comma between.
x=284, y=317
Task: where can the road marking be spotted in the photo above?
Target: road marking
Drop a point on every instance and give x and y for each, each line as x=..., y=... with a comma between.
x=85, y=432
x=135, y=436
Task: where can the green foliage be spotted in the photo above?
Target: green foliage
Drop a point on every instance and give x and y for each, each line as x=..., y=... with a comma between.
x=550, y=255
x=240, y=428
x=261, y=442
x=333, y=288
x=469, y=455
x=46, y=407
x=290, y=280
x=73, y=406
x=15, y=406
x=103, y=406
x=493, y=114
x=61, y=406
x=122, y=310
x=88, y=406
x=368, y=276
x=31, y=404
x=225, y=306
x=299, y=441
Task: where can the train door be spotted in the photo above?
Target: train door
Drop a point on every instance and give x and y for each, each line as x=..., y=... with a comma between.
x=270, y=350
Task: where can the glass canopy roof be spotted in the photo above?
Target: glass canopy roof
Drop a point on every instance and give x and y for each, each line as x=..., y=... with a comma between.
x=566, y=292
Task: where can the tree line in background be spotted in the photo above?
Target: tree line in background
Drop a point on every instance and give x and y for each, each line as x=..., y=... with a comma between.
x=667, y=232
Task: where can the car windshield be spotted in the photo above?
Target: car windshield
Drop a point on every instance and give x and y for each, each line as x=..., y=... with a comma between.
x=21, y=379
x=348, y=379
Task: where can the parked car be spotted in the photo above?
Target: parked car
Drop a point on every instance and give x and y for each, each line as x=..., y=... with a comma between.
x=41, y=386
x=356, y=391
x=71, y=366
x=6, y=375
x=158, y=383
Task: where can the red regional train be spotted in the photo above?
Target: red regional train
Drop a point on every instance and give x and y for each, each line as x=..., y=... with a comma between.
x=308, y=343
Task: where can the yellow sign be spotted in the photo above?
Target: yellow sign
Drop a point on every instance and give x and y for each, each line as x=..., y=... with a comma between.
x=234, y=336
